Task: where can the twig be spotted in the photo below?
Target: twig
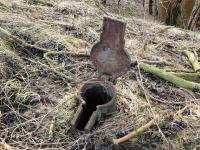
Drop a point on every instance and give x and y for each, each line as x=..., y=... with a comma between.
x=178, y=113
x=179, y=71
x=193, y=76
x=51, y=128
x=55, y=71
x=165, y=102
x=158, y=62
x=136, y=132
x=4, y=33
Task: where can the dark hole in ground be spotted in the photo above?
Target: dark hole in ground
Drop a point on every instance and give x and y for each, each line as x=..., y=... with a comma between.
x=93, y=96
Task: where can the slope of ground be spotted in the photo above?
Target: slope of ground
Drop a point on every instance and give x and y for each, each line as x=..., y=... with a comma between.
x=44, y=47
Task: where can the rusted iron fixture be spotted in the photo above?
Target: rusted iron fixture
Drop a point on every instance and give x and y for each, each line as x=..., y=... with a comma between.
x=98, y=95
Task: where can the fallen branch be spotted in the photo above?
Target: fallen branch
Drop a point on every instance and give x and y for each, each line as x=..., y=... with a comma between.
x=193, y=60
x=136, y=132
x=165, y=102
x=179, y=82
x=192, y=76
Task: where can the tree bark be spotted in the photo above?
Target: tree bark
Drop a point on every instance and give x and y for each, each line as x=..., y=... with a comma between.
x=182, y=13
x=195, y=15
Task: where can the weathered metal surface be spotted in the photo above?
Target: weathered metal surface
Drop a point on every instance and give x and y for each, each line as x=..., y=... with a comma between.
x=97, y=96
x=109, y=56
x=97, y=100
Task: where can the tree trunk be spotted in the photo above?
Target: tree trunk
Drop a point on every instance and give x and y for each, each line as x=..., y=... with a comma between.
x=195, y=16
x=186, y=12
x=182, y=13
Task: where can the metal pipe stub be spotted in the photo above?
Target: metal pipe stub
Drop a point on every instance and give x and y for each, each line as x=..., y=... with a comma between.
x=97, y=100
x=97, y=96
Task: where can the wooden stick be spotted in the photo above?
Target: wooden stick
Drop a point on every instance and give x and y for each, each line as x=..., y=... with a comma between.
x=136, y=132
x=193, y=60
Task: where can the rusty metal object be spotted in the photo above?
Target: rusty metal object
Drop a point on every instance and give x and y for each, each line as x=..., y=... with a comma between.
x=97, y=100
x=97, y=96
x=109, y=56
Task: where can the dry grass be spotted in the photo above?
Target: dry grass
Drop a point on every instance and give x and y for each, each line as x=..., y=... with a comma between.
x=37, y=101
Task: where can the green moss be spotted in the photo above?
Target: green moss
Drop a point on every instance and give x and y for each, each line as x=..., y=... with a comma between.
x=189, y=76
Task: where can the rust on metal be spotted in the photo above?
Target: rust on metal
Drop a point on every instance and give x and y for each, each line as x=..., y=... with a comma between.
x=97, y=96
x=97, y=100
x=109, y=56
